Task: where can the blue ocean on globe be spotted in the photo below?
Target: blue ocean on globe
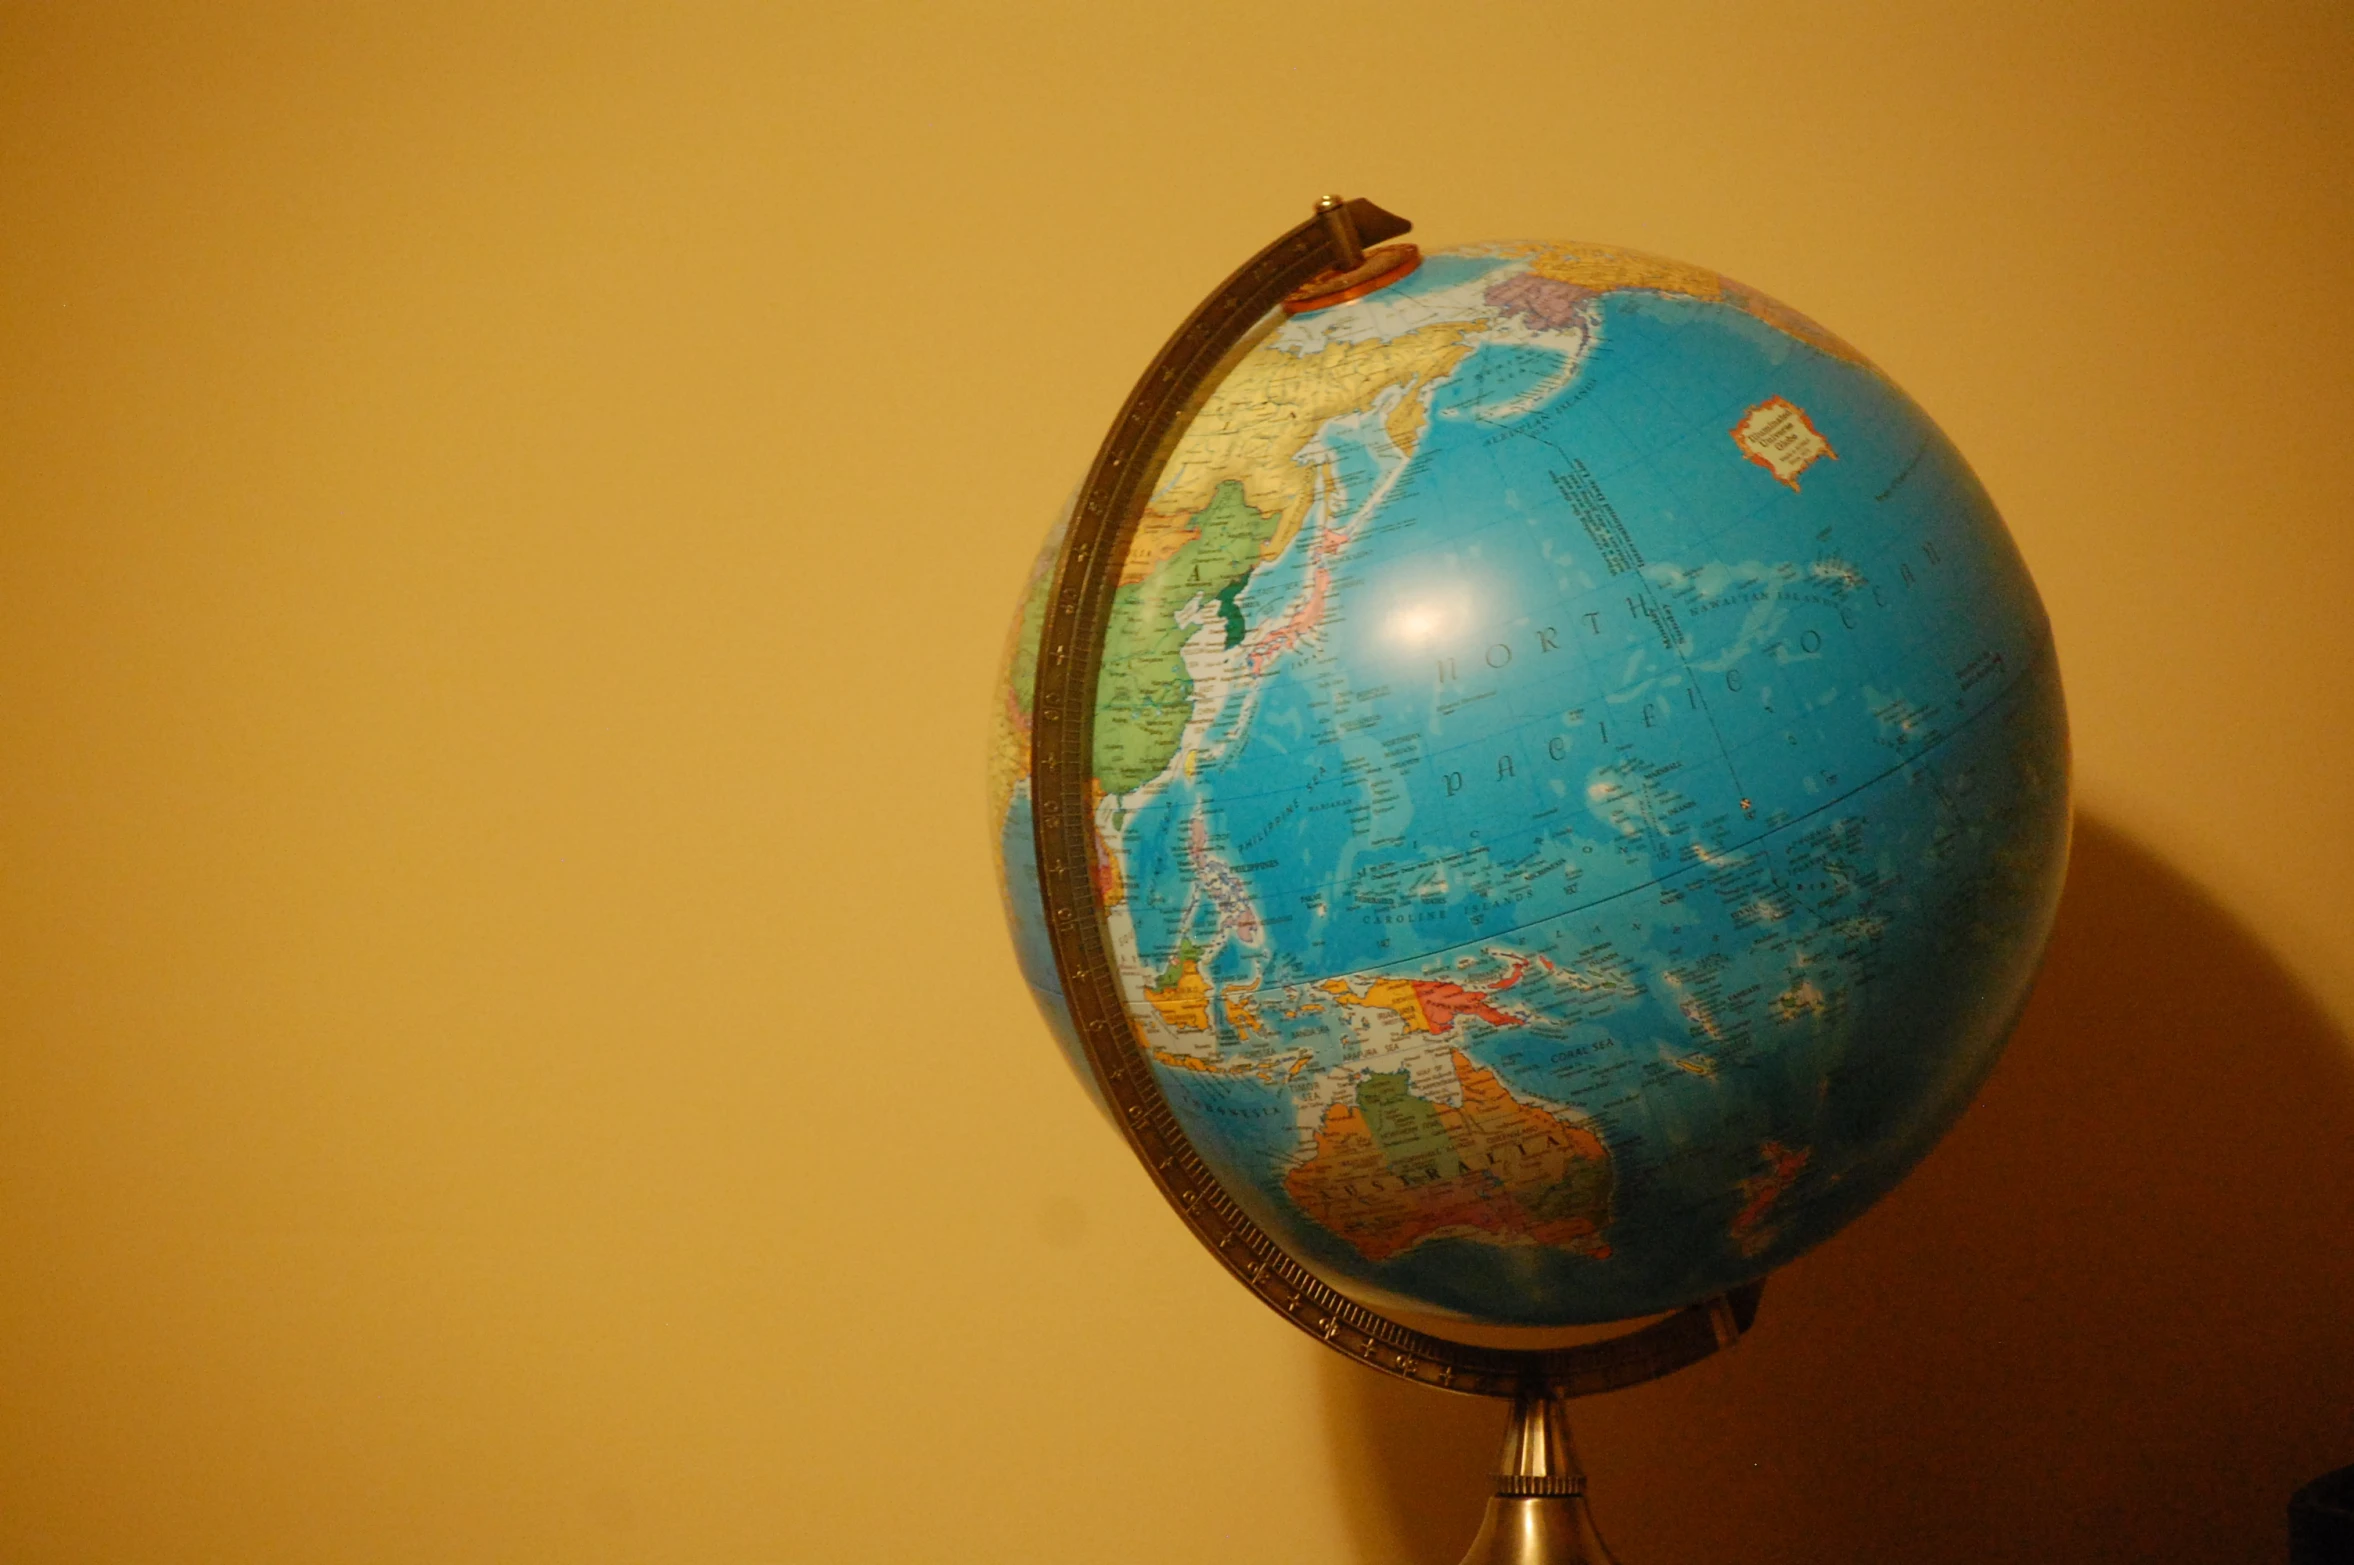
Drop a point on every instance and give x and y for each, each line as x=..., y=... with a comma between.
x=1581, y=785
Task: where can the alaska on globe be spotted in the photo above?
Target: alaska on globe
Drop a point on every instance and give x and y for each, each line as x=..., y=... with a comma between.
x=1579, y=784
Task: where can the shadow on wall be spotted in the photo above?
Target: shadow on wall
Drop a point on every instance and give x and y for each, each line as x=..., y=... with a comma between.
x=2110, y=1318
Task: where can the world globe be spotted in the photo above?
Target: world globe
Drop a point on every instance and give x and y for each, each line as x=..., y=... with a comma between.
x=1579, y=785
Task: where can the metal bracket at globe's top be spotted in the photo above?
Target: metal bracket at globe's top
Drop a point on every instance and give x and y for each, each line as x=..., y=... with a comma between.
x=1354, y=271
x=1319, y=264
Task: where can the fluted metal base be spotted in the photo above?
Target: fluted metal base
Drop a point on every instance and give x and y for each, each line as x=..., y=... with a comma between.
x=1538, y=1513
x=1520, y=1530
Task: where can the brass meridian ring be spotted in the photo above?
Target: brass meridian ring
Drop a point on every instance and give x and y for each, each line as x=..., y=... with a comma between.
x=1062, y=747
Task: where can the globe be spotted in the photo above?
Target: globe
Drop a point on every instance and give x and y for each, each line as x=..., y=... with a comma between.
x=1580, y=785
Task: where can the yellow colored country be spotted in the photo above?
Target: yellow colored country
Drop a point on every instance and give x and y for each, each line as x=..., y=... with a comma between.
x=1395, y=995
x=1185, y=1004
x=1601, y=268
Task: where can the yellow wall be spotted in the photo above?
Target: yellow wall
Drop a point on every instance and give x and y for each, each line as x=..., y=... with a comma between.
x=506, y=519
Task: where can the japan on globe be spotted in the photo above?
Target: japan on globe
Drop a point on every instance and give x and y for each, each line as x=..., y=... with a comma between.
x=1578, y=784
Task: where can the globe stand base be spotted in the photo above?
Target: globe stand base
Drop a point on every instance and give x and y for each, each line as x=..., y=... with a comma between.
x=1537, y=1515
x=1538, y=1532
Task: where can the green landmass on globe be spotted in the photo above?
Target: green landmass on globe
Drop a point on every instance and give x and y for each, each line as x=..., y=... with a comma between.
x=1580, y=785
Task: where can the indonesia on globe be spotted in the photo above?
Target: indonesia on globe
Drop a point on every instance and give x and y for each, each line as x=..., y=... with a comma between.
x=1580, y=785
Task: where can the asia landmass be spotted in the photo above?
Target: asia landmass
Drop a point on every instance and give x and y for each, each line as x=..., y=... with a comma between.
x=1233, y=497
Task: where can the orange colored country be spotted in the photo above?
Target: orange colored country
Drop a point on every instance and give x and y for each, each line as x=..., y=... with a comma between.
x=1517, y=1173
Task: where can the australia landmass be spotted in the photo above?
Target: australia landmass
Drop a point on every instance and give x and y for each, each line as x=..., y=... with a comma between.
x=1392, y=1169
